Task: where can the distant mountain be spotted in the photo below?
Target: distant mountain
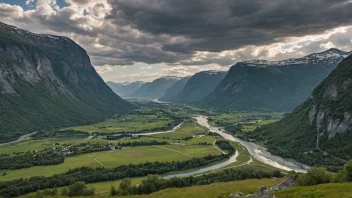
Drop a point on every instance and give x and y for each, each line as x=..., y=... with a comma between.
x=155, y=89
x=47, y=81
x=125, y=89
x=274, y=85
x=199, y=85
x=318, y=132
x=175, y=89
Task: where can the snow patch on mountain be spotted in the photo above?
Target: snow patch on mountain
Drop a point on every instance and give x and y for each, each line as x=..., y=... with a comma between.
x=331, y=56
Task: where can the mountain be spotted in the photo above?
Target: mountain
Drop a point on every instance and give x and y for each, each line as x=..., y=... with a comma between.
x=274, y=85
x=124, y=89
x=199, y=85
x=47, y=81
x=155, y=89
x=175, y=89
x=319, y=131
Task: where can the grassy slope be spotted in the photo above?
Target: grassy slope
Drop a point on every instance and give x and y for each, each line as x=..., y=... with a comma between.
x=319, y=191
x=213, y=190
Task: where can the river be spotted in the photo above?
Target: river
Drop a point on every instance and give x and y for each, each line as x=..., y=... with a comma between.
x=258, y=152
x=206, y=169
x=161, y=132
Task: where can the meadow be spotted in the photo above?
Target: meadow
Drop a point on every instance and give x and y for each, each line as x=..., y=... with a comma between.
x=142, y=120
x=110, y=159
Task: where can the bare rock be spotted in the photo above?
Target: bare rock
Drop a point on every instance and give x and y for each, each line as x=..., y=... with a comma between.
x=236, y=194
x=262, y=192
x=286, y=184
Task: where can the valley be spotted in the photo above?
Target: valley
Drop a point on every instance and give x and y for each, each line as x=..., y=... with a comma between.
x=140, y=141
x=267, y=128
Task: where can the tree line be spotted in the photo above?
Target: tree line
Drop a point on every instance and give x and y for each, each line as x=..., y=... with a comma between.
x=23, y=186
x=319, y=175
x=29, y=159
x=225, y=145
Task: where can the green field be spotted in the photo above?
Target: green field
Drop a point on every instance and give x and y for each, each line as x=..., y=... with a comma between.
x=115, y=158
x=129, y=123
x=31, y=145
x=144, y=119
x=247, y=121
x=188, y=129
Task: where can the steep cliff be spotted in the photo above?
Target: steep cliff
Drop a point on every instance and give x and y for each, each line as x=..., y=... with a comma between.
x=318, y=132
x=48, y=81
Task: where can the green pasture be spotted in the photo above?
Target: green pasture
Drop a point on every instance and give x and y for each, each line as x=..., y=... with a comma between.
x=134, y=155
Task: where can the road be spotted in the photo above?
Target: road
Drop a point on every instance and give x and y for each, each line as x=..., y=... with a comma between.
x=258, y=152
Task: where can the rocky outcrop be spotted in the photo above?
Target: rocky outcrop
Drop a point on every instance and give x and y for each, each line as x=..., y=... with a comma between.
x=236, y=195
x=262, y=192
x=265, y=192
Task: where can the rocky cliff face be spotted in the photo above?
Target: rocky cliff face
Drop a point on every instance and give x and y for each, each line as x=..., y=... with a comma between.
x=319, y=131
x=330, y=105
x=48, y=81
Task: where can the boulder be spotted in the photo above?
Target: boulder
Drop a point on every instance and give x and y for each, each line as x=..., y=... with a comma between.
x=236, y=195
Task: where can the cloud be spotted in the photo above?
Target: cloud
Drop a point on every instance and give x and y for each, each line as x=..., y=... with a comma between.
x=189, y=34
x=215, y=26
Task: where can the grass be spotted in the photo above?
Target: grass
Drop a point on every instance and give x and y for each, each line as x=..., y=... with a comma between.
x=343, y=190
x=248, y=120
x=111, y=159
x=127, y=123
x=213, y=190
x=31, y=145
x=252, y=127
x=187, y=129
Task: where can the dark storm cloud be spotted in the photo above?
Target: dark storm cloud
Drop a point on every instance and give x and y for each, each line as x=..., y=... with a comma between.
x=208, y=25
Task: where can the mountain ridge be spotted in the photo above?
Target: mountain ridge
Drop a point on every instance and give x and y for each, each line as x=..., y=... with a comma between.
x=279, y=88
x=47, y=82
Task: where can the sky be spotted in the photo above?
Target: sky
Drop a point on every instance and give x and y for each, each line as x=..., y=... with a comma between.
x=129, y=40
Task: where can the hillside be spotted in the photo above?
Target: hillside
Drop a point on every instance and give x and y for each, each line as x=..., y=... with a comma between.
x=48, y=81
x=274, y=85
x=175, y=89
x=124, y=89
x=318, y=132
x=155, y=89
x=199, y=85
